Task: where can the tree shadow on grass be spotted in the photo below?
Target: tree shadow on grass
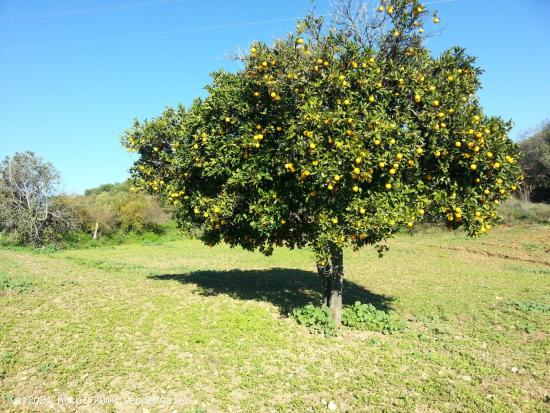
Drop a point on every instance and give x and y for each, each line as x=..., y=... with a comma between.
x=284, y=287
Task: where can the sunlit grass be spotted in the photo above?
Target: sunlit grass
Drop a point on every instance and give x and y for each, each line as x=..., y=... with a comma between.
x=209, y=326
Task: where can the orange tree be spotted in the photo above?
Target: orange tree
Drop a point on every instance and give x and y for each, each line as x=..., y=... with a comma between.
x=327, y=140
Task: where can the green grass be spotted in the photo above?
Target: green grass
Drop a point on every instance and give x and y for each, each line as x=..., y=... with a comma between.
x=209, y=327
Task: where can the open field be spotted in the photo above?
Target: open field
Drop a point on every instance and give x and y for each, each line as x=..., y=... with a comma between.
x=207, y=327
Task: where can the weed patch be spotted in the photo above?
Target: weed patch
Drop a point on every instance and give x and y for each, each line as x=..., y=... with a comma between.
x=317, y=319
x=358, y=316
x=7, y=360
x=20, y=286
x=361, y=316
x=529, y=307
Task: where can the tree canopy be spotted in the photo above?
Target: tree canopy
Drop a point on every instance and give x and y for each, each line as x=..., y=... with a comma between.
x=329, y=138
x=30, y=212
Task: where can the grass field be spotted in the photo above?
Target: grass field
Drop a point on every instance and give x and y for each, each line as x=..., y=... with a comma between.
x=206, y=329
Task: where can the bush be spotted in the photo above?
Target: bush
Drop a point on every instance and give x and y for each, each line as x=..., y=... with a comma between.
x=366, y=317
x=516, y=211
x=358, y=316
x=115, y=208
x=315, y=318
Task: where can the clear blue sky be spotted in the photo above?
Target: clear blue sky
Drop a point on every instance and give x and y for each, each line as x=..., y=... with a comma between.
x=73, y=74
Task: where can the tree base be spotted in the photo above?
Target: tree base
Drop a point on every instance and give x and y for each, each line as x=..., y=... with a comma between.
x=332, y=279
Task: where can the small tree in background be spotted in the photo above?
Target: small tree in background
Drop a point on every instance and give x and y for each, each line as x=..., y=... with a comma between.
x=333, y=137
x=536, y=164
x=30, y=212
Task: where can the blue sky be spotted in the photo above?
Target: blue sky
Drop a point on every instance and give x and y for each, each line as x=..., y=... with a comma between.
x=73, y=74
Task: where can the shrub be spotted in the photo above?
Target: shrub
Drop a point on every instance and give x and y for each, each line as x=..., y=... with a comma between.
x=316, y=319
x=366, y=317
x=358, y=316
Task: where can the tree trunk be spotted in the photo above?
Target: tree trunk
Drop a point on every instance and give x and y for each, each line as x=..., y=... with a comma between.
x=324, y=272
x=337, y=281
x=332, y=279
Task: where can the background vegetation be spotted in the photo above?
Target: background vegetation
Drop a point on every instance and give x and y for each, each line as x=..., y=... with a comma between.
x=117, y=209
x=33, y=213
x=536, y=165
